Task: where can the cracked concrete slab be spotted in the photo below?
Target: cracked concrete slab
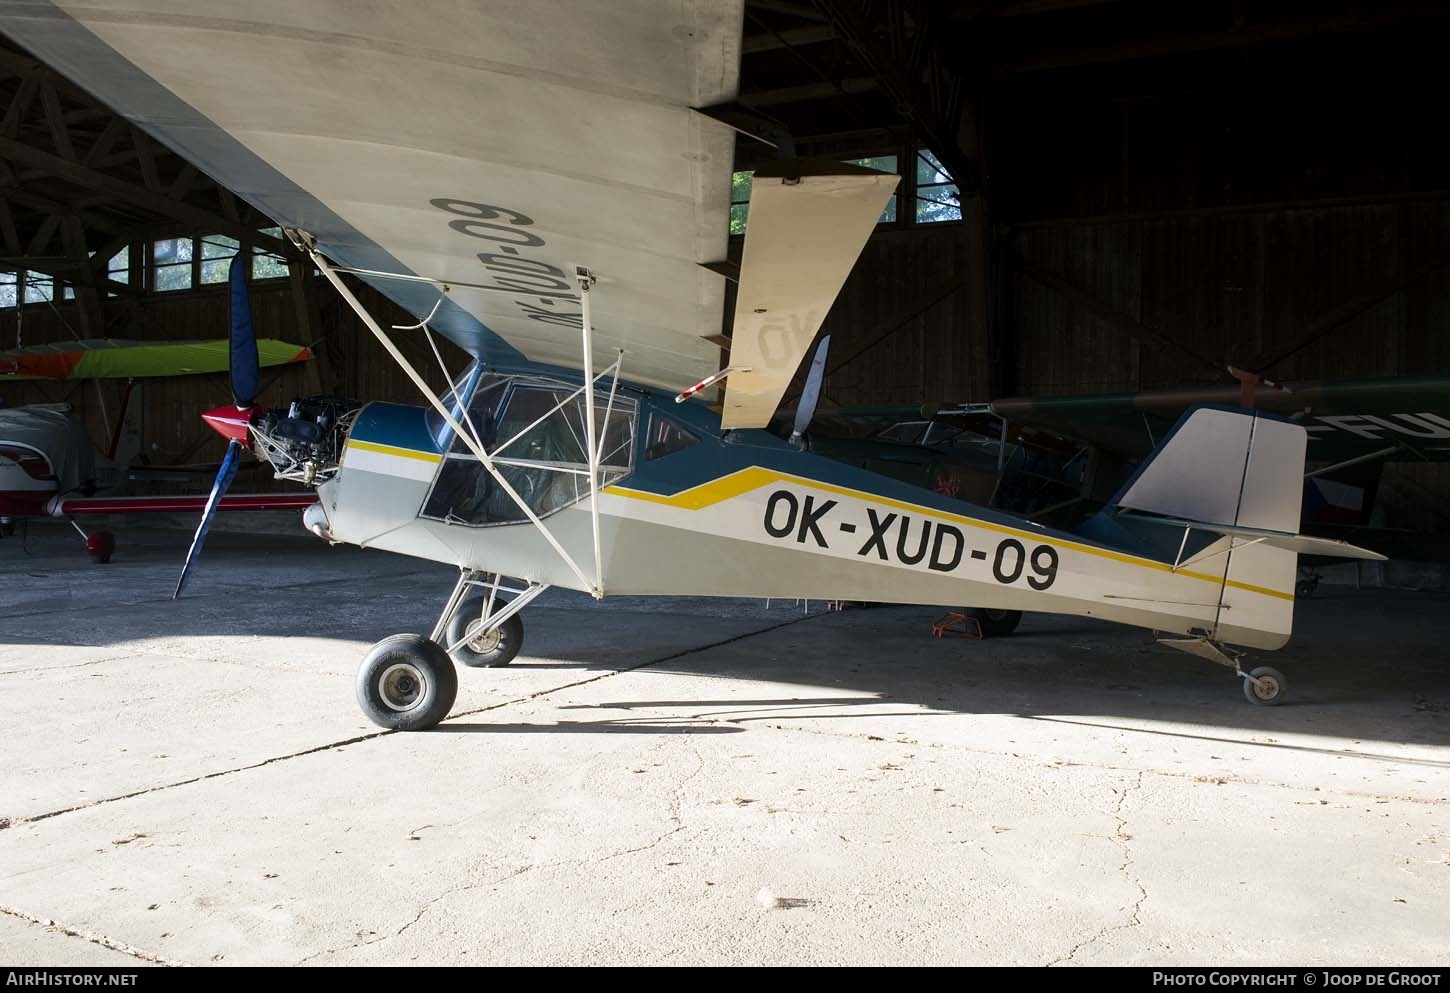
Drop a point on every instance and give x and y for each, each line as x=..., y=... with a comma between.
x=31, y=943
x=684, y=781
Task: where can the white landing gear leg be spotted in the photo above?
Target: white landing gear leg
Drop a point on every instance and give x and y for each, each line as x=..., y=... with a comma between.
x=480, y=626
x=1264, y=686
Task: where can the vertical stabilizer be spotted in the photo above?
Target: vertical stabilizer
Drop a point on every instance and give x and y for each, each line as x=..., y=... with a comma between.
x=1232, y=467
x=1238, y=469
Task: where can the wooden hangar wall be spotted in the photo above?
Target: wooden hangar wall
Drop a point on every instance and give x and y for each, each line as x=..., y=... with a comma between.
x=1287, y=212
x=1163, y=190
x=1292, y=217
x=1280, y=206
x=1145, y=212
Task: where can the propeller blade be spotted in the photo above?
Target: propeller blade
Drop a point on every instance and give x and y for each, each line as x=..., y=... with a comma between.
x=245, y=366
x=219, y=488
x=811, y=395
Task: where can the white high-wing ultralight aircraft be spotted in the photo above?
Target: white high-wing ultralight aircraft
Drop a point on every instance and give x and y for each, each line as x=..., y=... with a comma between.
x=530, y=180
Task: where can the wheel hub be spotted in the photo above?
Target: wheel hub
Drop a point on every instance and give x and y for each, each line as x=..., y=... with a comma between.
x=401, y=686
x=1265, y=687
x=483, y=642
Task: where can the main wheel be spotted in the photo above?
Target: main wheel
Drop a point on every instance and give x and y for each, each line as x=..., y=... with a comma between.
x=483, y=649
x=100, y=546
x=995, y=623
x=406, y=683
x=1269, y=691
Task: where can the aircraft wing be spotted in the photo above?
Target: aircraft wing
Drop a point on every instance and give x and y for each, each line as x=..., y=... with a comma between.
x=110, y=358
x=1345, y=419
x=493, y=145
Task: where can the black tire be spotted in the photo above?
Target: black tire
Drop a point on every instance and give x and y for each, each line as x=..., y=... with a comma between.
x=406, y=683
x=995, y=623
x=498, y=650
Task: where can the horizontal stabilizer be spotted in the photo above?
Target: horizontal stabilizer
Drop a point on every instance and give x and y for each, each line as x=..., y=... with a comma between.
x=808, y=223
x=1303, y=544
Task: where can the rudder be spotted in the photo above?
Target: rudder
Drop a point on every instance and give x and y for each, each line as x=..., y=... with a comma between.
x=1233, y=468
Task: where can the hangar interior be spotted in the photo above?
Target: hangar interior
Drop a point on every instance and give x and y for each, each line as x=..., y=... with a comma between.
x=1154, y=192
x=1097, y=197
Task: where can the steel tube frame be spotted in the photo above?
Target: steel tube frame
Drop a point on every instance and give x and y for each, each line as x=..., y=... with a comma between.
x=467, y=579
x=586, y=282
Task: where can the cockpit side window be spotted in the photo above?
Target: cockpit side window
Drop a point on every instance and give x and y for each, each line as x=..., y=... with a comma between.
x=538, y=437
x=666, y=438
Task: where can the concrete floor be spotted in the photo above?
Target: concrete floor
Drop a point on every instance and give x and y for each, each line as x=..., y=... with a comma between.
x=192, y=782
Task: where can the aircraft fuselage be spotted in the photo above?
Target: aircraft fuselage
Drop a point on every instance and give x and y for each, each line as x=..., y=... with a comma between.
x=745, y=514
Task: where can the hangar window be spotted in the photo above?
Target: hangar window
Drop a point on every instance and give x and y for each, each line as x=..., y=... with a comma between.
x=536, y=434
x=937, y=197
x=38, y=287
x=881, y=163
x=740, y=191
x=118, y=269
x=171, y=264
x=739, y=201
x=265, y=265
x=217, y=251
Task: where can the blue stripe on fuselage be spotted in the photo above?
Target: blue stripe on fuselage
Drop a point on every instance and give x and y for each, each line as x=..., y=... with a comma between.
x=397, y=425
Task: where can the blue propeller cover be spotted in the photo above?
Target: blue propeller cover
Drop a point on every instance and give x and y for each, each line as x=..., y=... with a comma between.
x=246, y=368
x=224, y=477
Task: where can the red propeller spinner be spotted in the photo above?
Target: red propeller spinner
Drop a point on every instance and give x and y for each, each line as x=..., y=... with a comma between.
x=231, y=421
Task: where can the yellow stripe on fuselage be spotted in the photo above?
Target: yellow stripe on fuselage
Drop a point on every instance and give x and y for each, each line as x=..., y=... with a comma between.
x=407, y=453
x=745, y=480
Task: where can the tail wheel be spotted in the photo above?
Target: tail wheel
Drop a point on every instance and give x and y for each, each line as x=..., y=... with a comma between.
x=406, y=683
x=1267, y=687
x=477, y=648
x=995, y=623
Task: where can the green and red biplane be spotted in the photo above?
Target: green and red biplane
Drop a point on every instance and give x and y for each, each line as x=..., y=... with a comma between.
x=48, y=466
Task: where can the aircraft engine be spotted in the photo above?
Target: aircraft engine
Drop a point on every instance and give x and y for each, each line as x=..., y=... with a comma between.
x=305, y=443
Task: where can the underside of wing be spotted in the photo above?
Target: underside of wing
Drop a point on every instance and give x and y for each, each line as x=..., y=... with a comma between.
x=495, y=146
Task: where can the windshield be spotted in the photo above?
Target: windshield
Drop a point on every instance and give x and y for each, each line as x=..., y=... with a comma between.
x=456, y=399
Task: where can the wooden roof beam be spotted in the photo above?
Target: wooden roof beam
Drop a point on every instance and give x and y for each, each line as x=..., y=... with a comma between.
x=790, y=38
x=138, y=196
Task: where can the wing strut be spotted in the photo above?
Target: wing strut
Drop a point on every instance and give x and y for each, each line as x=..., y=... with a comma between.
x=469, y=439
